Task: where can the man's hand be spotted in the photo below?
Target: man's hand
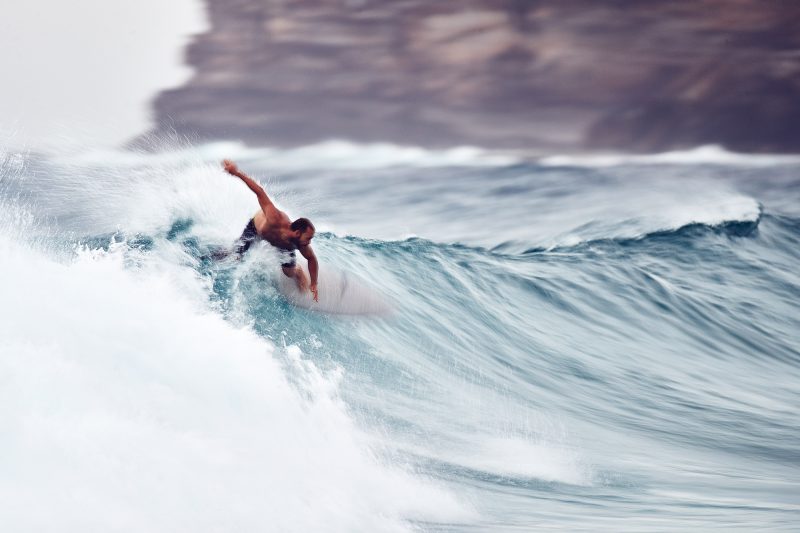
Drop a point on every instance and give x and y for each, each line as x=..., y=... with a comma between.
x=230, y=167
x=313, y=289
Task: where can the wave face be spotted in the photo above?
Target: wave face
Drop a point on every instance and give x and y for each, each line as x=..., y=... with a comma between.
x=571, y=347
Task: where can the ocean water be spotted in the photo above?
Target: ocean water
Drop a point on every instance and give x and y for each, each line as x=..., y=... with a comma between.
x=575, y=344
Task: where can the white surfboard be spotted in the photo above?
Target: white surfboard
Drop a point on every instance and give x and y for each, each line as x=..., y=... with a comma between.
x=340, y=293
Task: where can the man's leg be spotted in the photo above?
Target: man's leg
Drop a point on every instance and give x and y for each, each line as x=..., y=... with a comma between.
x=299, y=276
x=292, y=270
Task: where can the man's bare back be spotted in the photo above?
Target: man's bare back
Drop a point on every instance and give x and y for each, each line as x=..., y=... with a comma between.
x=274, y=226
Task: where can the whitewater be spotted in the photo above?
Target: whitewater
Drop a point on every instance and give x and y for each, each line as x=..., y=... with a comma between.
x=575, y=343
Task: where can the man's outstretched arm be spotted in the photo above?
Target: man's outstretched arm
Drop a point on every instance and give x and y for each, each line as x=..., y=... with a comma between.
x=263, y=200
x=313, y=268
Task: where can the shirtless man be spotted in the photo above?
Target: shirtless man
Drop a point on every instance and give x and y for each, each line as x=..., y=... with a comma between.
x=272, y=225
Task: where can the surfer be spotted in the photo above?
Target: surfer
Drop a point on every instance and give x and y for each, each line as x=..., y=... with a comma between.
x=274, y=226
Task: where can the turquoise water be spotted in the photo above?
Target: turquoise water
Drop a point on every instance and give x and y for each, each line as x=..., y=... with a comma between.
x=572, y=346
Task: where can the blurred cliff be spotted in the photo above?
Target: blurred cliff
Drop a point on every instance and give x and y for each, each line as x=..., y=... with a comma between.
x=632, y=75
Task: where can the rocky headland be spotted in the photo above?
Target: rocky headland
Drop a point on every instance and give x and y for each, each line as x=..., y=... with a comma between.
x=632, y=75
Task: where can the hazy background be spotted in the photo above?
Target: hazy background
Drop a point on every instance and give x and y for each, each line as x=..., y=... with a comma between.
x=573, y=75
x=86, y=71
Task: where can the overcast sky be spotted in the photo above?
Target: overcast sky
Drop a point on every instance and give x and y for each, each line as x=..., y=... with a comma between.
x=85, y=71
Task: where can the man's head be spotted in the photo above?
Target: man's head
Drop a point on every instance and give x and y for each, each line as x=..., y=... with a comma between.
x=303, y=231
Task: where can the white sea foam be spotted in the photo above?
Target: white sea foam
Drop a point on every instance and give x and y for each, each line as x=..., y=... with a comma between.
x=709, y=154
x=126, y=405
x=331, y=154
x=542, y=453
x=518, y=457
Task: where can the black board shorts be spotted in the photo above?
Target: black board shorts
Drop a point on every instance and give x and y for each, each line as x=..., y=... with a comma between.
x=289, y=260
x=250, y=235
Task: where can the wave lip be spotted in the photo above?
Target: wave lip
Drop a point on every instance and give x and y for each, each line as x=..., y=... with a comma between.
x=736, y=216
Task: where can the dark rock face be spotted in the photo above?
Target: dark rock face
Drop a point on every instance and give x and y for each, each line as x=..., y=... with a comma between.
x=634, y=75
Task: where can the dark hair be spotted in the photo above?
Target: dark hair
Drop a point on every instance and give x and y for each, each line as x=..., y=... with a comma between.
x=302, y=224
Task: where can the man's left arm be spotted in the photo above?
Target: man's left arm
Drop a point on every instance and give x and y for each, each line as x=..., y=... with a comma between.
x=313, y=268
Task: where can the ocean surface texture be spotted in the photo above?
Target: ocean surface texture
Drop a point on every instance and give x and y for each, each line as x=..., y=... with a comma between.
x=575, y=344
